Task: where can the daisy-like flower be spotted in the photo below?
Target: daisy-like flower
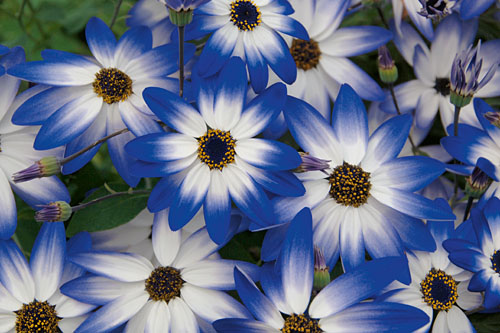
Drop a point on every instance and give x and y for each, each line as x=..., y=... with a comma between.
x=152, y=13
x=322, y=61
x=481, y=258
x=338, y=307
x=183, y=5
x=365, y=199
x=93, y=97
x=438, y=287
x=214, y=158
x=16, y=153
x=430, y=91
x=436, y=9
x=31, y=300
x=247, y=29
x=166, y=295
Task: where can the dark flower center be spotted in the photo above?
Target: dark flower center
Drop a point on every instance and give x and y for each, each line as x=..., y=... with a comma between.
x=439, y=290
x=300, y=323
x=438, y=5
x=305, y=53
x=164, y=283
x=442, y=86
x=495, y=261
x=216, y=149
x=37, y=317
x=112, y=85
x=245, y=14
x=350, y=185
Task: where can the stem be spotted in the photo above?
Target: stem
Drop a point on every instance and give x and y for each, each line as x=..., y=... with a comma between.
x=109, y=196
x=98, y=142
x=382, y=16
x=468, y=313
x=181, y=61
x=393, y=94
x=467, y=209
x=115, y=14
x=455, y=120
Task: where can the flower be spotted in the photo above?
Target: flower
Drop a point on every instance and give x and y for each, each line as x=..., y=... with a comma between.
x=438, y=287
x=473, y=8
x=365, y=182
x=337, y=307
x=16, y=153
x=152, y=13
x=183, y=5
x=31, y=300
x=430, y=91
x=169, y=295
x=436, y=9
x=214, y=158
x=247, y=29
x=94, y=97
x=481, y=257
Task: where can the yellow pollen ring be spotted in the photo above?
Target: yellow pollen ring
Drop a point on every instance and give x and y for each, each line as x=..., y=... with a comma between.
x=439, y=279
x=112, y=85
x=243, y=24
x=216, y=149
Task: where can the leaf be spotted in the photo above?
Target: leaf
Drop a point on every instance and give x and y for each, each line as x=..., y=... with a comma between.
x=485, y=323
x=109, y=213
x=27, y=228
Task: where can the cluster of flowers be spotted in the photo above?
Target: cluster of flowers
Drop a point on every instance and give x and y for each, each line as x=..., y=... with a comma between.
x=360, y=189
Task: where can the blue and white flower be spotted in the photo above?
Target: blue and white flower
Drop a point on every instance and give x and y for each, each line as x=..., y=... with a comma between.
x=247, y=29
x=365, y=199
x=338, y=307
x=430, y=91
x=481, y=258
x=438, y=287
x=473, y=8
x=31, y=300
x=214, y=158
x=183, y=5
x=166, y=294
x=16, y=153
x=154, y=15
x=90, y=98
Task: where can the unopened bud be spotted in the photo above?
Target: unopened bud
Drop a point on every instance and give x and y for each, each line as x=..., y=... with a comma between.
x=321, y=271
x=311, y=163
x=387, y=69
x=493, y=117
x=180, y=18
x=54, y=212
x=477, y=183
x=46, y=167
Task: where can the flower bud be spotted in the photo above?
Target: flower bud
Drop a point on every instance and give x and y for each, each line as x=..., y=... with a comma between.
x=311, y=163
x=436, y=9
x=54, y=212
x=180, y=18
x=493, y=118
x=321, y=271
x=477, y=183
x=46, y=167
x=387, y=70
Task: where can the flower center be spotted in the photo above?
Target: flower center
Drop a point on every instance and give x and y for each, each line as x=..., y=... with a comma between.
x=439, y=290
x=350, y=185
x=164, y=283
x=439, y=5
x=300, y=323
x=495, y=261
x=305, y=53
x=112, y=85
x=442, y=86
x=216, y=149
x=245, y=14
x=37, y=317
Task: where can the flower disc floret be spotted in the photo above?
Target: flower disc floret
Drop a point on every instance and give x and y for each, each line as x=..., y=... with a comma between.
x=300, y=323
x=305, y=53
x=439, y=290
x=164, y=283
x=442, y=86
x=112, y=85
x=495, y=261
x=245, y=14
x=37, y=317
x=350, y=185
x=216, y=149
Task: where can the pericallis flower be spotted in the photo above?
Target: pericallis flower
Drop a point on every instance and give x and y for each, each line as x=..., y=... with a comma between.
x=183, y=5
x=430, y=91
x=16, y=153
x=214, y=159
x=438, y=287
x=152, y=13
x=473, y=8
x=436, y=9
x=322, y=61
x=338, y=307
x=482, y=258
x=163, y=295
x=93, y=97
x=31, y=300
x=247, y=29
x=366, y=200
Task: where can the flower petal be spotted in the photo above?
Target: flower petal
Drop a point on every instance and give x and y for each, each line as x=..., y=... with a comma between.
x=166, y=243
x=101, y=41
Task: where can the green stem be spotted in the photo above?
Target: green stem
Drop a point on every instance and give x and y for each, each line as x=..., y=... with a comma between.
x=115, y=13
x=109, y=196
x=181, y=61
x=455, y=120
x=395, y=101
x=468, y=208
x=382, y=16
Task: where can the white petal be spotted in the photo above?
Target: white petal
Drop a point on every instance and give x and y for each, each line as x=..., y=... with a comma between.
x=166, y=242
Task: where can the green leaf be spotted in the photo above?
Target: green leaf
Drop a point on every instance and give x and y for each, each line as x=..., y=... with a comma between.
x=245, y=246
x=27, y=228
x=109, y=213
x=485, y=323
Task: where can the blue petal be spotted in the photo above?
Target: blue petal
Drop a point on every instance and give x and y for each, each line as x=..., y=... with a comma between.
x=481, y=107
x=92, y=289
x=468, y=259
x=163, y=194
x=57, y=73
x=268, y=154
x=289, y=26
x=357, y=285
x=452, y=245
x=15, y=274
x=132, y=44
x=3, y=49
x=161, y=147
x=296, y=262
x=273, y=242
x=217, y=50
x=441, y=230
x=283, y=183
x=492, y=294
x=257, y=65
x=121, y=160
x=147, y=169
x=472, y=8
x=217, y=208
x=355, y=40
x=8, y=212
x=479, y=280
x=101, y=41
x=242, y=325
x=488, y=168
